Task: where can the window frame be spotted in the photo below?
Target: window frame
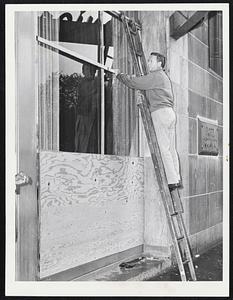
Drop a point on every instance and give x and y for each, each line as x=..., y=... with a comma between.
x=76, y=55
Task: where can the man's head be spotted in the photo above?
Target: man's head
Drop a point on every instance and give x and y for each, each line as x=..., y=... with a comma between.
x=156, y=61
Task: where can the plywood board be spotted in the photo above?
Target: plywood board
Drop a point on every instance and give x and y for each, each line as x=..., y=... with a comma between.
x=91, y=206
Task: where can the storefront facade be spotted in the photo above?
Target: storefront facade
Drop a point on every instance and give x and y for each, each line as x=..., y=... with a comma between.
x=94, y=199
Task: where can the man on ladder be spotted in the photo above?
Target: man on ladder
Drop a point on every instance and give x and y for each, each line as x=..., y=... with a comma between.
x=158, y=88
x=156, y=107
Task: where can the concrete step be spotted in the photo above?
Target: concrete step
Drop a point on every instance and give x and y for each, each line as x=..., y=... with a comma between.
x=143, y=270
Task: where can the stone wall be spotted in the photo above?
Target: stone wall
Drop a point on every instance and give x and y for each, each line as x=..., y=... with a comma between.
x=198, y=92
x=205, y=172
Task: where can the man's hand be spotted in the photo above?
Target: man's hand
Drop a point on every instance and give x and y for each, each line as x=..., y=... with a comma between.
x=116, y=71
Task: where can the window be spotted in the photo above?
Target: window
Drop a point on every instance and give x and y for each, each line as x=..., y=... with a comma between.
x=215, y=42
x=81, y=109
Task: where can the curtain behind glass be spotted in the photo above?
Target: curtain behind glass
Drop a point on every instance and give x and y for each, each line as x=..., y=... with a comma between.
x=125, y=111
x=48, y=28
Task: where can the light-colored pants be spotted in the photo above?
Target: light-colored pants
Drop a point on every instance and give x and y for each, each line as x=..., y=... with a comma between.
x=164, y=120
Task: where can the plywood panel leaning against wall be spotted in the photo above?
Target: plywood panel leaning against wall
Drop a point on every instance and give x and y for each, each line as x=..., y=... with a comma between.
x=91, y=206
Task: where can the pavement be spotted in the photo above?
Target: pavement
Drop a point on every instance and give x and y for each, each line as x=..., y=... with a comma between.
x=208, y=267
x=130, y=270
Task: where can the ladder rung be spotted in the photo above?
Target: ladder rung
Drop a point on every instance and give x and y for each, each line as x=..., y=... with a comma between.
x=186, y=261
x=174, y=214
x=180, y=238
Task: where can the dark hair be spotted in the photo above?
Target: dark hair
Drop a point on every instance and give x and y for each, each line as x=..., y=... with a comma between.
x=160, y=58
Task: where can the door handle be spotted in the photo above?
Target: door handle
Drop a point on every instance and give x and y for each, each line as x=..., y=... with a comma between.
x=21, y=179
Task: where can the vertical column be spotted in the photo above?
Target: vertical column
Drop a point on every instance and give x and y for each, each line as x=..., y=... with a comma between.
x=101, y=57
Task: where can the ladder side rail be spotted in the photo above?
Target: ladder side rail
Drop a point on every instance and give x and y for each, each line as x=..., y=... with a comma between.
x=141, y=68
x=155, y=154
x=185, y=241
x=187, y=248
x=165, y=194
x=130, y=40
x=156, y=158
x=143, y=58
x=139, y=71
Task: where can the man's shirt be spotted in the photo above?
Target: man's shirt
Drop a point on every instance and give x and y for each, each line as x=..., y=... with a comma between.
x=157, y=86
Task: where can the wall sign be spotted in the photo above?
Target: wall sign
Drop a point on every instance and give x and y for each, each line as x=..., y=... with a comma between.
x=207, y=138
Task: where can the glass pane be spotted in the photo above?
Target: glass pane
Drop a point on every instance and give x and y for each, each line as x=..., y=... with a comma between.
x=79, y=86
x=69, y=93
x=79, y=31
x=70, y=88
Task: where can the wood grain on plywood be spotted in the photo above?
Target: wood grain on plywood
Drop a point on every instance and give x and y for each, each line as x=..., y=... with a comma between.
x=91, y=207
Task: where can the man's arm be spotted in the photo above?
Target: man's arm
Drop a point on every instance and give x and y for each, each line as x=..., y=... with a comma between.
x=145, y=82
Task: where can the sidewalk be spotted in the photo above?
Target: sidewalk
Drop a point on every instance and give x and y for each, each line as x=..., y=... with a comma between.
x=208, y=267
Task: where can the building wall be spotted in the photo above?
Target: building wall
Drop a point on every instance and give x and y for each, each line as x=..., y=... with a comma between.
x=205, y=98
x=197, y=91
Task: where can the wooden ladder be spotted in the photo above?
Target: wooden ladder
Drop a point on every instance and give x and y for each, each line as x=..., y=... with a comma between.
x=171, y=200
